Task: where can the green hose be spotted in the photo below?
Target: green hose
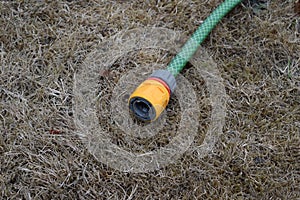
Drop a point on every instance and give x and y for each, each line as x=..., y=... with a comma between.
x=149, y=100
x=191, y=46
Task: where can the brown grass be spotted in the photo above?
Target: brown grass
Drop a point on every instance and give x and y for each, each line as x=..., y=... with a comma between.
x=256, y=47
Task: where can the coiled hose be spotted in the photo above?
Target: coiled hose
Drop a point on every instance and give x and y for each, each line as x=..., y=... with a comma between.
x=149, y=99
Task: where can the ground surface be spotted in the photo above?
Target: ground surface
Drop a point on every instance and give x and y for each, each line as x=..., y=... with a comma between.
x=256, y=48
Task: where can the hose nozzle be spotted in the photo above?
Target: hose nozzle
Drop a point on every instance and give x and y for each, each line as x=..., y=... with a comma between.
x=152, y=96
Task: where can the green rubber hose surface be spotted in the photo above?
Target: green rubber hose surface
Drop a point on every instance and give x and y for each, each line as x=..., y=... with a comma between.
x=191, y=46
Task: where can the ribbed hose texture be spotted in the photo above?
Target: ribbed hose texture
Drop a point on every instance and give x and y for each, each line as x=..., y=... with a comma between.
x=191, y=46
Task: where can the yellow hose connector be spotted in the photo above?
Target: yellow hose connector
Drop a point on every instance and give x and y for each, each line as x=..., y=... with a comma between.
x=152, y=96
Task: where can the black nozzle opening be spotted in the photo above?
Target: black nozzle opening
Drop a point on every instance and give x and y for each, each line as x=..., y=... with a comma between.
x=142, y=109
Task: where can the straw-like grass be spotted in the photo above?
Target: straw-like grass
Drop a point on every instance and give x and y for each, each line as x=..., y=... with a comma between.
x=256, y=47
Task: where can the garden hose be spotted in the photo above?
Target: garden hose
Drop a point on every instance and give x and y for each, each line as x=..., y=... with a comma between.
x=151, y=97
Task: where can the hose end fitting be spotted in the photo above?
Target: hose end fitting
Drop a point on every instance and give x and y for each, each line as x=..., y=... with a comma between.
x=152, y=96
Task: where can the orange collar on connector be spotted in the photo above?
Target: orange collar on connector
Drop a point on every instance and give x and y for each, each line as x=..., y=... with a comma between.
x=162, y=82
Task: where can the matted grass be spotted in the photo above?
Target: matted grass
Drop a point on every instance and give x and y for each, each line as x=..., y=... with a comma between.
x=256, y=47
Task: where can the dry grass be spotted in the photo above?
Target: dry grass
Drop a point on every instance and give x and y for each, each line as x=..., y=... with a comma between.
x=256, y=46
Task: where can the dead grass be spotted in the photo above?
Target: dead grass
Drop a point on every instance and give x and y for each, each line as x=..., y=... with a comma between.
x=256, y=46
